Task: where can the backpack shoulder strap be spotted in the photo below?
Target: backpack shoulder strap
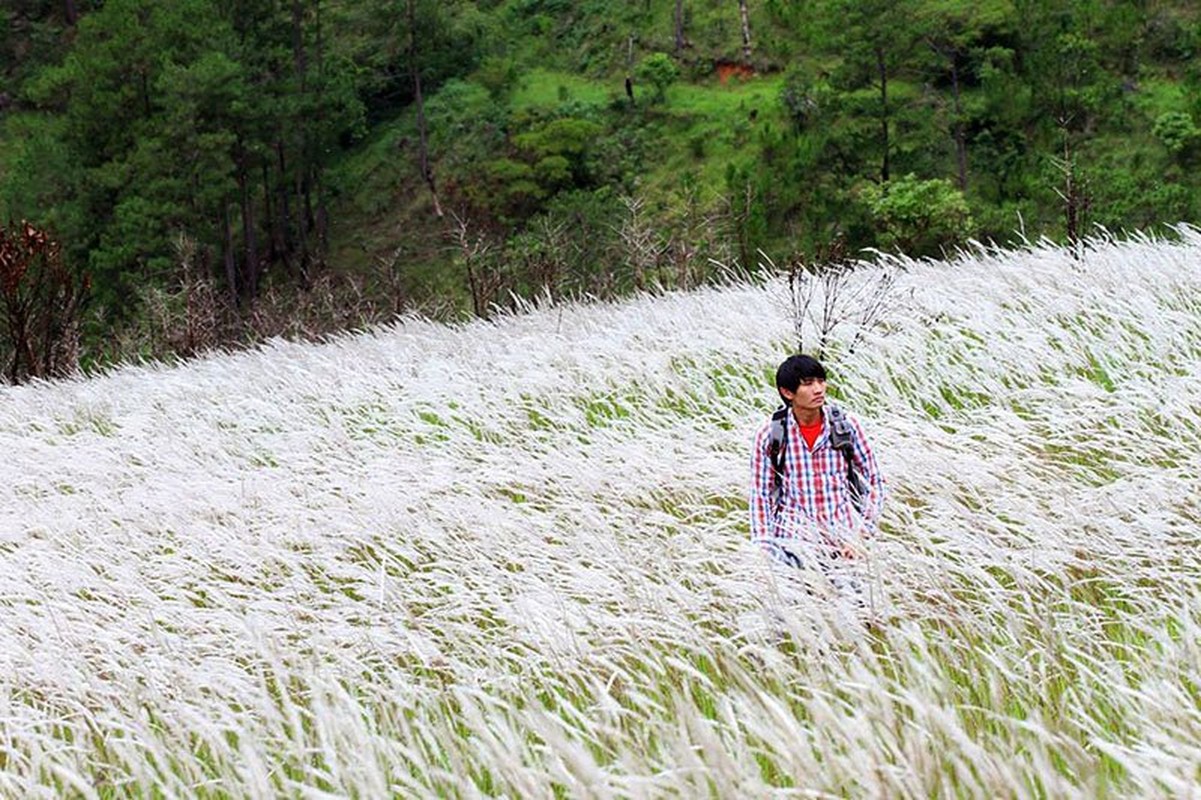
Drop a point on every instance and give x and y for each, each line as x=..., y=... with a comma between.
x=778, y=429
x=842, y=436
x=777, y=449
x=842, y=439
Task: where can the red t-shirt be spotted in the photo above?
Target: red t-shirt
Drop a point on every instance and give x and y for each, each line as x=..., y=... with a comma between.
x=811, y=432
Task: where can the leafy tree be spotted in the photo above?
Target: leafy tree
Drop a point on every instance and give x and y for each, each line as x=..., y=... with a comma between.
x=137, y=125
x=659, y=71
x=510, y=190
x=554, y=155
x=919, y=217
x=220, y=130
x=33, y=33
x=409, y=48
x=1063, y=64
x=111, y=134
x=875, y=37
x=568, y=139
x=806, y=99
x=958, y=34
x=468, y=126
x=1177, y=131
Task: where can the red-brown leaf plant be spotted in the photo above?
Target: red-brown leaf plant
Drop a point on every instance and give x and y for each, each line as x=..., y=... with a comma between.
x=40, y=301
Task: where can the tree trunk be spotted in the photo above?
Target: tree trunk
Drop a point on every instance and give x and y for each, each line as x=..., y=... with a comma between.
x=746, y=32
x=25, y=345
x=322, y=219
x=960, y=137
x=231, y=262
x=249, y=235
x=144, y=83
x=18, y=333
x=275, y=251
x=882, y=70
x=423, y=158
x=477, y=302
x=321, y=223
x=304, y=216
x=70, y=12
x=301, y=185
x=679, y=24
x=1074, y=200
x=283, y=209
x=299, y=58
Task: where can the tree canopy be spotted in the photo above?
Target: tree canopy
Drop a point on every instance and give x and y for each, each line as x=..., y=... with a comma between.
x=284, y=141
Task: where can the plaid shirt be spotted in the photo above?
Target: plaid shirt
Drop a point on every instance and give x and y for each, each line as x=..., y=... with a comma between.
x=815, y=504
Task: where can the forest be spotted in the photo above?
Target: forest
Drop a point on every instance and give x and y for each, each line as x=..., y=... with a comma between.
x=177, y=177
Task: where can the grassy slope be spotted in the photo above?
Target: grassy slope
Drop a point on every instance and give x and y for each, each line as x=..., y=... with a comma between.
x=700, y=131
x=509, y=557
x=719, y=119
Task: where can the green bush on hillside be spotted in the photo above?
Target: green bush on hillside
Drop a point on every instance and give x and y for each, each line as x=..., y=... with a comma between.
x=660, y=72
x=1177, y=131
x=919, y=217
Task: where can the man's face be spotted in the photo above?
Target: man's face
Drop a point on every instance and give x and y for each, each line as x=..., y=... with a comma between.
x=809, y=395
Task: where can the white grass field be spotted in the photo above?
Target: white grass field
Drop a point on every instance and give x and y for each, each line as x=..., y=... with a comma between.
x=510, y=558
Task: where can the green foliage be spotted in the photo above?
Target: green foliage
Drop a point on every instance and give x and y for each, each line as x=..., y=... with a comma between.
x=806, y=100
x=919, y=217
x=1176, y=130
x=35, y=168
x=559, y=250
x=659, y=71
x=171, y=126
x=274, y=130
x=467, y=127
x=1128, y=187
x=516, y=185
x=551, y=156
x=498, y=75
x=1078, y=73
x=568, y=137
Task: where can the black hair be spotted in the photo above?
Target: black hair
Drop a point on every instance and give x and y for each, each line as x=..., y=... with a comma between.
x=796, y=369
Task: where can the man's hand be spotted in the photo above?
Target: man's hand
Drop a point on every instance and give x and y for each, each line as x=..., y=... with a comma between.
x=851, y=550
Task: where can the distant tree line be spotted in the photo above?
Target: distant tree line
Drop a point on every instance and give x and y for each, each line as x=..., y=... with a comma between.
x=1056, y=115
x=211, y=118
x=223, y=170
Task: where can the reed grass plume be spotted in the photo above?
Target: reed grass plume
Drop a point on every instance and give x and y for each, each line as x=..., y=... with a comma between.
x=509, y=558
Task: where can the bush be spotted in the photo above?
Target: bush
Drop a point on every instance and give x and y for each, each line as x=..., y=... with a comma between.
x=40, y=301
x=916, y=217
x=805, y=100
x=660, y=72
x=497, y=75
x=1177, y=131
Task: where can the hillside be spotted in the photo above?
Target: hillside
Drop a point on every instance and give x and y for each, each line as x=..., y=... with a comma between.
x=314, y=166
x=509, y=558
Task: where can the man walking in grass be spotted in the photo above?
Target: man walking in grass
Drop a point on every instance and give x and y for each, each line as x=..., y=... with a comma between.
x=816, y=491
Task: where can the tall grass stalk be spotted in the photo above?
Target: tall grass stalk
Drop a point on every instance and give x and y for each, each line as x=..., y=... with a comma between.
x=509, y=558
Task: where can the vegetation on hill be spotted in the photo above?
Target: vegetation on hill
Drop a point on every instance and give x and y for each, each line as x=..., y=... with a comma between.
x=309, y=165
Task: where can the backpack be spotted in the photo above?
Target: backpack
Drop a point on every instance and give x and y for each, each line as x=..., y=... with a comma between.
x=842, y=439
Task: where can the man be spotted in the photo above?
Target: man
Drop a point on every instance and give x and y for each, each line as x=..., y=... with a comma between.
x=816, y=490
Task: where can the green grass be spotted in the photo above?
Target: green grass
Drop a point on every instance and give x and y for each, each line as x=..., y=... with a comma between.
x=717, y=125
x=693, y=138
x=546, y=89
x=1156, y=95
